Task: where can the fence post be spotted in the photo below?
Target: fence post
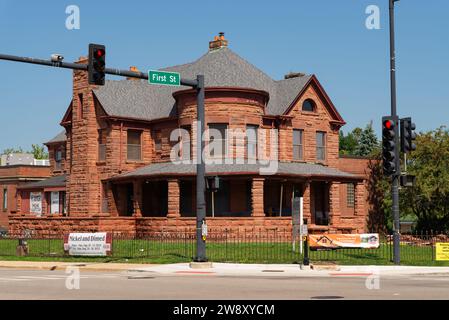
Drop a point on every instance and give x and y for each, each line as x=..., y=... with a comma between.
x=306, y=260
x=226, y=244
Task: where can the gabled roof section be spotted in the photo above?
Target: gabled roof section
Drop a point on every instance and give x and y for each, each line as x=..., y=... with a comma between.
x=60, y=137
x=331, y=107
x=221, y=68
x=67, y=118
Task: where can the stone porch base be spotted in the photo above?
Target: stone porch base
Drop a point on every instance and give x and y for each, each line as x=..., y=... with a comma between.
x=134, y=225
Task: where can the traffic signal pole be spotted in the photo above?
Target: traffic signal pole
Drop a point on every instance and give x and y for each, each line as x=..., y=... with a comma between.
x=395, y=177
x=197, y=84
x=200, y=174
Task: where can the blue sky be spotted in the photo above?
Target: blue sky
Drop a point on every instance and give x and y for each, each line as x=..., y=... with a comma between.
x=324, y=37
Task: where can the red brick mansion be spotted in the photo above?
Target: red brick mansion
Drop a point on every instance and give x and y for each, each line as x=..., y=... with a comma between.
x=111, y=167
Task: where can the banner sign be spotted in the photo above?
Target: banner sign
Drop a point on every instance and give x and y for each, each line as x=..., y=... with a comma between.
x=36, y=203
x=88, y=244
x=54, y=199
x=337, y=241
x=442, y=251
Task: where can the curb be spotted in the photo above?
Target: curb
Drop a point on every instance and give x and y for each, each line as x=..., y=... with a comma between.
x=63, y=266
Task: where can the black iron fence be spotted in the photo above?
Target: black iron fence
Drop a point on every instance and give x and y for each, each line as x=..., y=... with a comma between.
x=229, y=245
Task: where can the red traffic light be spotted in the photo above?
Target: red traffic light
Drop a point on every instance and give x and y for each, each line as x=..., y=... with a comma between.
x=99, y=53
x=389, y=124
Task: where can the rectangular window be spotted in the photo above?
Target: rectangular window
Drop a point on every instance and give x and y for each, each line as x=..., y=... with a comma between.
x=251, y=136
x=58, y=159
x=134, y=149
x=217, y=140
x=321, y=146
x=5, y=199
x=297, y=144
x=350, y=195
x=63, y=202
x=157, y=137
x=101, y=146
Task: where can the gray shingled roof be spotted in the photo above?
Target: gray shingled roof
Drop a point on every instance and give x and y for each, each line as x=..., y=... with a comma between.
x=284, y=168
x=57, y=181
x=221, y=68
x=61, y=137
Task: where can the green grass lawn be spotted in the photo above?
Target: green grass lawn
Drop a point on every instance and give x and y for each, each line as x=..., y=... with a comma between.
x=147, y=251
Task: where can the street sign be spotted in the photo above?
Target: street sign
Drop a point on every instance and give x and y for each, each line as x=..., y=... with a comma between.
x=304, y=231
x=164, y=78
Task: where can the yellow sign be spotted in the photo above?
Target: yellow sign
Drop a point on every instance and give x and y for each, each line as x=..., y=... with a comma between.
x=442, y=251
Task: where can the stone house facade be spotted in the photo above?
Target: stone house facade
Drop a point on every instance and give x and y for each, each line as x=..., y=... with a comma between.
x=12, y=177
x=113, y=163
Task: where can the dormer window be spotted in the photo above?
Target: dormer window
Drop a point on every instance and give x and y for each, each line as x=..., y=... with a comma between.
x=308, y=106
x=58, y=158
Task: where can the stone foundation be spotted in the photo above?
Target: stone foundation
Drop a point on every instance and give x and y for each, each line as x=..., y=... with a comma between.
x=141, y=225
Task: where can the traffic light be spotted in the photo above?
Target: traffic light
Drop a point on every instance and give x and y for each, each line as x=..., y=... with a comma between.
x=408, y=135
x=97, y=64
x=407, y=180
x=389, y=147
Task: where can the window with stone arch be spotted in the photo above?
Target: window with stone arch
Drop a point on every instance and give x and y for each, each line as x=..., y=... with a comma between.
x=309, y=105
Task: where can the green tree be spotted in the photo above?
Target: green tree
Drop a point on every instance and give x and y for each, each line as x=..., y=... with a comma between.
x=429, y=198
x=12, y=150
x=349, y=142
x=39, y=152
x=379, y=197
x=367, y=143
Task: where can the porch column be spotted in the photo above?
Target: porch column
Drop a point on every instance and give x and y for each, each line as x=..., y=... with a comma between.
x=19, y=202
x=257, y=197
x=334, y=203
x=137, y=197
x=173, y=199
x=360, y=206
x=45, y=207
x=307, y=208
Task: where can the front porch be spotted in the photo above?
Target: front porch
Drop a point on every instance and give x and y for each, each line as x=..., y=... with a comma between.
x=246, y=201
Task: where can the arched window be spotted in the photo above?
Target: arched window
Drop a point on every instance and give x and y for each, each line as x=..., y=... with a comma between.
x=308, y=105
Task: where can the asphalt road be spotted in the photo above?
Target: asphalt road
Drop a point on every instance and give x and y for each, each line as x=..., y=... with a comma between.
x=38, y=284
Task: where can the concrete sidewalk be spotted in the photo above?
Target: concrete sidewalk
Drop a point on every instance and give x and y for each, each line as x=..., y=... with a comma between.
x=285, y=270
x=230, y=269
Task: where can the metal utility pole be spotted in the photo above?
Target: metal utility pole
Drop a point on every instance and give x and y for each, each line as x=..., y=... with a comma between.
x=200, y=174
x=198, y=84
x=395, y=177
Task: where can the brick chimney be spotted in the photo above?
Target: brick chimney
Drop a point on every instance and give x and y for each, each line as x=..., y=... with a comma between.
x=134, y=69
x=83, y=181
x=218, y=42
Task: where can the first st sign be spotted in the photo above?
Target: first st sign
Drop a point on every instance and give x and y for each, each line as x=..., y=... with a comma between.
x=164, y=78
